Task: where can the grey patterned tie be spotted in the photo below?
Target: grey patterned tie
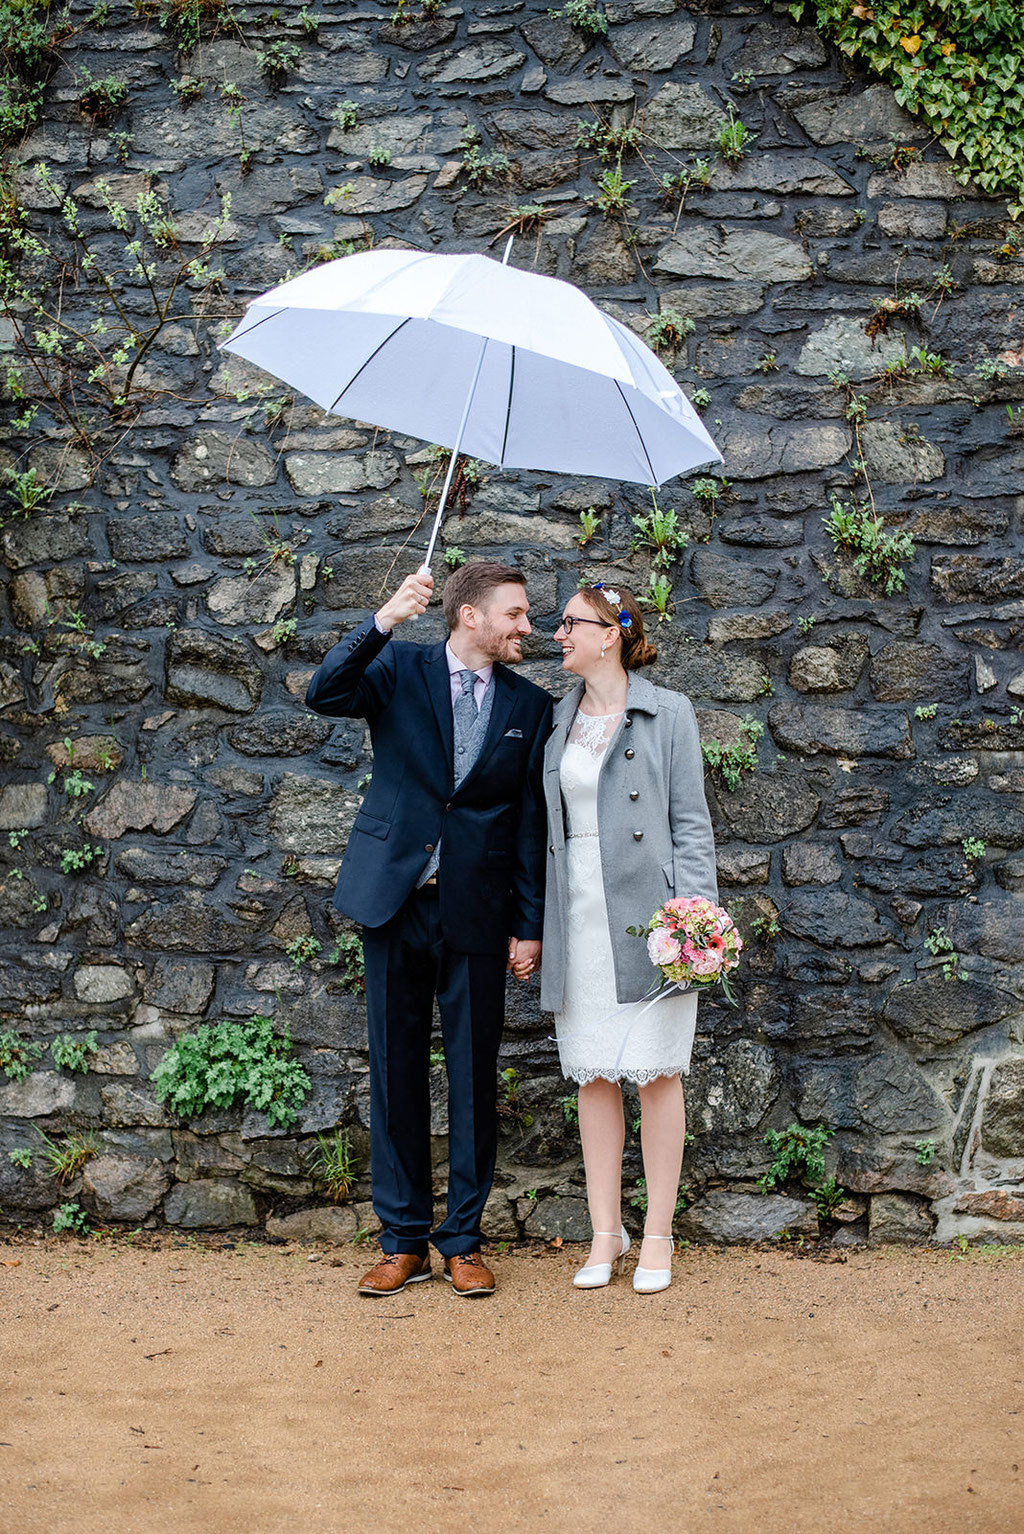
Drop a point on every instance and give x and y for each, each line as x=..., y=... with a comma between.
x=466, y=718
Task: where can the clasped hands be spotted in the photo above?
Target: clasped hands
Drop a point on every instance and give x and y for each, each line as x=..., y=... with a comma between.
x=523, y=956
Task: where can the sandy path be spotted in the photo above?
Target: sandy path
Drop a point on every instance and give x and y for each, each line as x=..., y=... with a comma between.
x=185, y=1391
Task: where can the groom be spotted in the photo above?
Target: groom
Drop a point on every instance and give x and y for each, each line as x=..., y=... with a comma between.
x=444, y=868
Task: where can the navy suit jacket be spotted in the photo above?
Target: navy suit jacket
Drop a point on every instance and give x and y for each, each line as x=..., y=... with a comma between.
x=491, y=877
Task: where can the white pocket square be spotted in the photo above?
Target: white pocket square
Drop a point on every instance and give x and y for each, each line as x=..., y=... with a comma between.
x=513, y=734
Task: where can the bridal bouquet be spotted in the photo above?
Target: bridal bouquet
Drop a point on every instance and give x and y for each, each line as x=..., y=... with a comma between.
x=693, y=942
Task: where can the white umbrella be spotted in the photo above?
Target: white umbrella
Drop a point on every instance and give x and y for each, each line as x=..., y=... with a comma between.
x=517, y=369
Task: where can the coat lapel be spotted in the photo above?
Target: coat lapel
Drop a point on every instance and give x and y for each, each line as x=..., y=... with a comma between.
x=439, y=689
x=565, y=712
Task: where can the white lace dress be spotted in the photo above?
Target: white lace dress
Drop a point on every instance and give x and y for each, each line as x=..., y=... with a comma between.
x=593, y=1025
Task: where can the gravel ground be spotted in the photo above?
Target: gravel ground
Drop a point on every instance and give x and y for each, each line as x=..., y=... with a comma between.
x=168, y=1386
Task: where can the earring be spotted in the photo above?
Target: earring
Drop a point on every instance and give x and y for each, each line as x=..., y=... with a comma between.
x=603, y=649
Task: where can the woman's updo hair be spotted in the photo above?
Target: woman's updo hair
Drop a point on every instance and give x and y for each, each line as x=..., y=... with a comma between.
x=636, y=648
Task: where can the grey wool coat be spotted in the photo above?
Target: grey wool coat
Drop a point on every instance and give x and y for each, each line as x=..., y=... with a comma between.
x=655, y=830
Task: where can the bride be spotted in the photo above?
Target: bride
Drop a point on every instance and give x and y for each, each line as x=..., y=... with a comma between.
x=628, y=827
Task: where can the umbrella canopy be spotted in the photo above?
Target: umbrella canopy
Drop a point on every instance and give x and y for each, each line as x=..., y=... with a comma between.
x=532, y=371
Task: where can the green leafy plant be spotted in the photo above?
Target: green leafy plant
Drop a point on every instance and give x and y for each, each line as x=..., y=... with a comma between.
x=75, y=860
x=480, y=168
x=223, y=1064
x=661, y=531
x=956, y=64
x=101, y=99
x=590, y=521
x=827, y=1198
x=333, y=1164
x=925, y=1152
x=347, y=954
x=933, y=363
x=796, y=1152
x=73, y=1052
x=805, y=622
x=17, y=1055
x=939, y=942
x=188, y=89
x=570, y=1107
x=731, y=762
x=733, y=140
x=20, y=1156
x=700, y=399
x=283, y=630
x=926, y=710
x=454, y=556
x=639, y=1196
x=709, y=490
x=610, y=141
x=72, y=1218
x=878, y=555
x=346, y=115
x=379, y=157
x=668, y=330
x=584, y=16
x=658, y=596
x=510, y=1105
x=613, y=193
x=66, y=1158
x=301, y=949
x=769, y=363
x=27, y=490
x=675, y=186
x=276, y=59
x=974, y=848
x=1016, y=420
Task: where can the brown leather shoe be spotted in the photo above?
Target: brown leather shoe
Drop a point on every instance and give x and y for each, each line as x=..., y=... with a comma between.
x=394, y=1271
x=468, y=1275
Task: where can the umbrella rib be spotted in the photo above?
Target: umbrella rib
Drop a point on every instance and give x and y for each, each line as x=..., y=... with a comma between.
x=639, y=433
x=369, y=359
x=508, y=408
x=263, y=321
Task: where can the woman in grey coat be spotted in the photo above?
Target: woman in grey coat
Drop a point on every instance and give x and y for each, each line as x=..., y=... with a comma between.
x=628, y=827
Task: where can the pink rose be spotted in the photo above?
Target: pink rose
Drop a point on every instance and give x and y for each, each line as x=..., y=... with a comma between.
x=662, y=947
x=706, y=964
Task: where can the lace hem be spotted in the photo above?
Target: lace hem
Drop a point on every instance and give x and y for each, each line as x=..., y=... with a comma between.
x=640, y=1078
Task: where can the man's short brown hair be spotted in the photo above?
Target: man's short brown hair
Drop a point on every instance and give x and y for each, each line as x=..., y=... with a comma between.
x=471, y=584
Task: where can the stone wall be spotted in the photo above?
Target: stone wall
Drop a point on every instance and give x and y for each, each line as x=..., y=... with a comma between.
x=220, y=807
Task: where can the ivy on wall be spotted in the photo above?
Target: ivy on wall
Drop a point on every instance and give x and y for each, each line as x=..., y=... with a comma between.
x=959, y=64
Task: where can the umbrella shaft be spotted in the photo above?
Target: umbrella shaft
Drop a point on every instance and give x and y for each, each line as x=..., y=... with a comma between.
x=453, y=460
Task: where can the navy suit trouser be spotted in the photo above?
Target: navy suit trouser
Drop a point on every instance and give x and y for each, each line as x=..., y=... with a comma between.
x=408, y=963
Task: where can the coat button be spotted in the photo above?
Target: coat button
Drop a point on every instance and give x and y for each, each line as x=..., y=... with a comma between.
x=551, y=849
x=447, y=808
x=627, y=723
x=634, y=794
x=638, y=836
x=429, y=847
x=630, y=754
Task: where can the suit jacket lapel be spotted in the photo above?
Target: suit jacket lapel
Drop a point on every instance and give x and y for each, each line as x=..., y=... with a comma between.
x=501, y=708
x=439, y=689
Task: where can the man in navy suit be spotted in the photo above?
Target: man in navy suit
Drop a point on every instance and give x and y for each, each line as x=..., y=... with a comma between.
x=444, y=868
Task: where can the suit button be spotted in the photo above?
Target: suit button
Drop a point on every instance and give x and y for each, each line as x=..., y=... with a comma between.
x=429, y=847
x=630, y=754
x=635, y=794
x=638, y=836
x=627, y=723
x=551, y=849
x=447, y=808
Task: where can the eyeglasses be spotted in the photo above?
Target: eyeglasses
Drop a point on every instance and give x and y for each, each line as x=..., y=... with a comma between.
x=569, y=622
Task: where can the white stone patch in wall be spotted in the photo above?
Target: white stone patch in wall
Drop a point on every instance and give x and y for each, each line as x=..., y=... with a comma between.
x=898, y=459
x=682, y=117
x=708, y=250
x=842, y=344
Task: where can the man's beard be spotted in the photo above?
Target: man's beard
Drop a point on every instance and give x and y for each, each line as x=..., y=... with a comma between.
x=499, y=646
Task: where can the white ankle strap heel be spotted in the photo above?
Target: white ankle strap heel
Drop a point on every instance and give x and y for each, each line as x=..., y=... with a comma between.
x=652, y=1280
x=597, y=1274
